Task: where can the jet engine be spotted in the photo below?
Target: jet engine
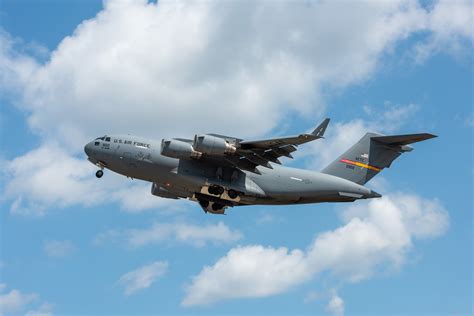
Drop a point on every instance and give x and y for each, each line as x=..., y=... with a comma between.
x=178, y=149
x=212, y=145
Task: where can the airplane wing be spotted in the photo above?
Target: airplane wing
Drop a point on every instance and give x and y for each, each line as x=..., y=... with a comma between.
x=223, y=150
x=253, y=153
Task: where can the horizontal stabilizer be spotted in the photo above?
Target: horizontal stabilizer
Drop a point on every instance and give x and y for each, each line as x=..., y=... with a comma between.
x=400, y=140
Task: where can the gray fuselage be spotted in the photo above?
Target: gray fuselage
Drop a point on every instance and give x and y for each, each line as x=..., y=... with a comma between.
x=140, y=158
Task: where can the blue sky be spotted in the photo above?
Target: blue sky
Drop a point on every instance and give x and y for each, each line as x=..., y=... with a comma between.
x=73, y=244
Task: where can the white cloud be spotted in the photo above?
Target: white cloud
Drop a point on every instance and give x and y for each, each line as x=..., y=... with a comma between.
x=15, y=301
x=196, y=235
x=252, y=271
x=143, y=277
x=164, y=69
x=136, y=64
x=45, y=309
x=185, y=233
x=335, y=305
x=376, y=236
x=58, y=248
x=450, y=24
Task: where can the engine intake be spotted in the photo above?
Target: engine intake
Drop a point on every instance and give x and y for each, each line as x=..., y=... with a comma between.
x=178, y=149
x=212, y=145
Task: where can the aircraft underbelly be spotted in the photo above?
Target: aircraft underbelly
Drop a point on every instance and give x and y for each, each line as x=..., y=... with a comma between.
x=288, y=185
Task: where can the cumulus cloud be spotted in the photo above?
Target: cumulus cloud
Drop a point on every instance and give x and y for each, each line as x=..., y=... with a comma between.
x=251, y=271
x=143, y=277
x=377, y=236
x=450, y=26
x=58, y=248
x=165, y=68
x=14, y=301
x=335, y=305
x=196, y=235
x=262, y=58
x=185, y=233
x=45, y=309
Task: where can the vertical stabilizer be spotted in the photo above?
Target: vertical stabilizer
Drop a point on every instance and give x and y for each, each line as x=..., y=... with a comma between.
x=370, y=155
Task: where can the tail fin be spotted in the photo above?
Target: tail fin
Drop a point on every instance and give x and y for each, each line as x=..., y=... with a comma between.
x=371, y=154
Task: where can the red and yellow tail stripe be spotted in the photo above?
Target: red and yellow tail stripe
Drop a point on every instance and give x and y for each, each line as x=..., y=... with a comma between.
x=360, y=164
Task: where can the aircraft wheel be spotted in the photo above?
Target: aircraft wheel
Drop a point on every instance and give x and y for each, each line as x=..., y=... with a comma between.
x=232, y=194
x=211, y=190
x=99, y=173
x=215, y=190
x=220, y=190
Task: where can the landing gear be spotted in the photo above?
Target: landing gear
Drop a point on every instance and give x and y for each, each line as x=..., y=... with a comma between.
x=212, y=207
x=215, y=190
x=232, y=194
x=99, y=173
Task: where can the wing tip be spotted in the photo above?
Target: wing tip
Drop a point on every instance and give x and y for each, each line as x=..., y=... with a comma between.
x=429, y=135
x=319, y=131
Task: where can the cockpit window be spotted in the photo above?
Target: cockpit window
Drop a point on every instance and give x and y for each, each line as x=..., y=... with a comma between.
x=96, y=143
x=102, y=138
x=107, y=139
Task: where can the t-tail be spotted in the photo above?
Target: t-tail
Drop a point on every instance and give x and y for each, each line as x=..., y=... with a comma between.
x=371, y=154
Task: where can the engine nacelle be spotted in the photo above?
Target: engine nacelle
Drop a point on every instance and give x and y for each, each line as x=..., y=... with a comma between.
x=178, y=149
x=212, y=145
x=162, y=192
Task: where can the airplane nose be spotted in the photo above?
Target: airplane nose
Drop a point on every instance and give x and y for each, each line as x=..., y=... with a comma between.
x=87, y=149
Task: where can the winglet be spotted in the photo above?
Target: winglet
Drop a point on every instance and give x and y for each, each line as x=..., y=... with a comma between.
x=319, y=131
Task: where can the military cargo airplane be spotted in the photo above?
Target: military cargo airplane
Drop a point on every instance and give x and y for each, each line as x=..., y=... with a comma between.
x=220, y=171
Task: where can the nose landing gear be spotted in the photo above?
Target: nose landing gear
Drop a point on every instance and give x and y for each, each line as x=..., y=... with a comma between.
x=99, y=173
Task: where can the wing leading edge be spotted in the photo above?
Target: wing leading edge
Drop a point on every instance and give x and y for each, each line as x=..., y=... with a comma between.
x=238, y=153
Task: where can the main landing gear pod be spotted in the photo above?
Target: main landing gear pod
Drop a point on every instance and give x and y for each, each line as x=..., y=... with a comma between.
x=221, y=192
x=212, y=207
